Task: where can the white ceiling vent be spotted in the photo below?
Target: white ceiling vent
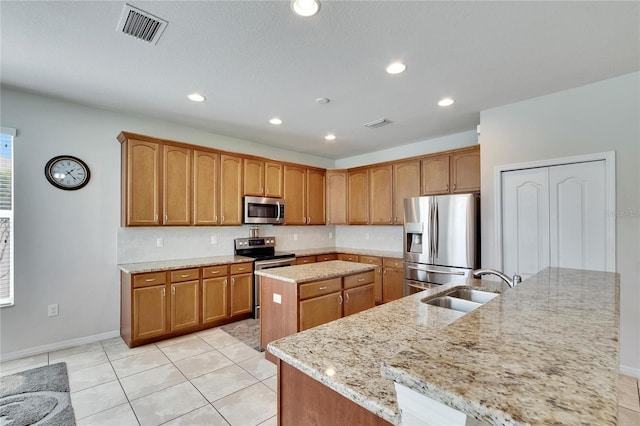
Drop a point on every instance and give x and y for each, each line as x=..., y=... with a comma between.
x=140, y=24
x=377, y=123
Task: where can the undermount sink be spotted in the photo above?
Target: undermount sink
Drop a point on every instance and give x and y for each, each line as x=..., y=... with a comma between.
x=462, y=300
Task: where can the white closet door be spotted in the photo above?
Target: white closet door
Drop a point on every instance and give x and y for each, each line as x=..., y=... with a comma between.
x=577, y=216
x=525, y=221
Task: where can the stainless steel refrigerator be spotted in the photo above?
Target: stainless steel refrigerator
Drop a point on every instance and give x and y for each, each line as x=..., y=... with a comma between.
x=441, y=239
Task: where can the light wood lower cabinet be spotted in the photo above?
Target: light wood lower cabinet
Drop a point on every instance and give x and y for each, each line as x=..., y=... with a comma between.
x=377, y=273
x=303, y=260
x=303, y=306
x=159, y=305
x=392, y=279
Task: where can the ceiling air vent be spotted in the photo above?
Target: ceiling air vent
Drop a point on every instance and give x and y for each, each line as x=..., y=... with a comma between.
x=140, y=24
x=377, y=123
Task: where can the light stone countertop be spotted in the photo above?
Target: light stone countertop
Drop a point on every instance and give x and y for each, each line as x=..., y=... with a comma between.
x=364, y=252
x=543, y=352
x=168, y=265
x=315, y=271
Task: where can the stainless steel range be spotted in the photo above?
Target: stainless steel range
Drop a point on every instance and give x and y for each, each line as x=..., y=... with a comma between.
x=264, y=254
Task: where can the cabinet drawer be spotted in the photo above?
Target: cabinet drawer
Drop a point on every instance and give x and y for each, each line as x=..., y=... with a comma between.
x=372, y=260
x=348, y=257
x=319, y=288
x=146, y=280
x=305, y=259
x=327, y=257
x=359, y=279
x=390, y=262
x=185, y=275
x=215, y=271
x=241, y=268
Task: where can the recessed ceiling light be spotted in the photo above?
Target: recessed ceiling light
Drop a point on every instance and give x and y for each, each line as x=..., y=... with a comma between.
x=305, y=7
x=396, y=68
x=276, y=121
x=330, y=137
x=322, y=100
x=196, y=97
x=445, y=102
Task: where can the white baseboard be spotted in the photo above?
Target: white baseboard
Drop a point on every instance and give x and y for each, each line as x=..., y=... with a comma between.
x=58, y=345
x=630, y=371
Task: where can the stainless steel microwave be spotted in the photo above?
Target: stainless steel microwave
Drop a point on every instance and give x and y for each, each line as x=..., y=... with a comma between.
x=263, y=210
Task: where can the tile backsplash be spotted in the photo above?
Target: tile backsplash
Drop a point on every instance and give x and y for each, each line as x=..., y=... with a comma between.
x=147, y=244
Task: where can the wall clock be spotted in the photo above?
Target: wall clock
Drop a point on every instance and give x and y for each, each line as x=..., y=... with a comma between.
x=67, y=172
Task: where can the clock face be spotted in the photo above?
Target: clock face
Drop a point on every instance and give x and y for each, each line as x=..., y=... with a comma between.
x=67, y=172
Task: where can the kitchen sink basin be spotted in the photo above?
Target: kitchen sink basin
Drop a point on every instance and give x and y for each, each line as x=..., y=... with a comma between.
x=473, y=295
x=462, y=300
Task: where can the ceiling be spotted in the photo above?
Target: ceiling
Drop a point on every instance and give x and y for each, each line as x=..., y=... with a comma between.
x=254, y=60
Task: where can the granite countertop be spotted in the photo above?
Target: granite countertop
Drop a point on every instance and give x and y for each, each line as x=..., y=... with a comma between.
x=364, y=252
x=543, y=352
x=168, y=265
x=315, y=271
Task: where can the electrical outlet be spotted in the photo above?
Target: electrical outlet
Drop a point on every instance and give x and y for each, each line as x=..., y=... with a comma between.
x=330, y=235
x=159, y=242
x=214, y=239
x=52, y=310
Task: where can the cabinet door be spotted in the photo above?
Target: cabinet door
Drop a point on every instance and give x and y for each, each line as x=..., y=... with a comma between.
x=305, y=259
x=230, y=190
x=176, y=186
x=272, y=179
x=149, y=312
x=214, y=299
x=294, y=195
x=143, y=183
x=358, y=197
x=205, y=188
x=315, y=197
x=320, y=310
x=253, y=177
x=465, y=171
x=381, y=195
x=336, y=197
x=185, y=305
x=392, y=282
x=435, y=175
x=241, y=294
x=359, y=299
x=406, y=183
x=348, y=257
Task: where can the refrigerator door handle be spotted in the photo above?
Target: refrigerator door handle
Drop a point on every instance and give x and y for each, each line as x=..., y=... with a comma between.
x=417, y=268
x=437, y=231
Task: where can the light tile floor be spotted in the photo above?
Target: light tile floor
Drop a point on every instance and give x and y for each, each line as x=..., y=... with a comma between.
x=206, y=378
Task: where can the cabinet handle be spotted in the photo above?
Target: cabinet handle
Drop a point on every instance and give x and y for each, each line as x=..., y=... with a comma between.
x=323, y=287
x=215, y=272
x=155, y=218
x=261, y=189
x=241, y=269
x=222, y=219
x=360, y=280
x=163, y=293
x=454, y=186
x=379, y=270
x=215, y=219
x=340, y=299
x=395, y=219
x=446, y=187
x=233, y=281
x=389, y=220
x=173, y=290
x=149, y=280
x=347, y=298
x=184, y=275
x=225, y=283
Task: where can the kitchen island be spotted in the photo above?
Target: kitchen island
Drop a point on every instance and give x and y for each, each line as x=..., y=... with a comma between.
x=543, y=352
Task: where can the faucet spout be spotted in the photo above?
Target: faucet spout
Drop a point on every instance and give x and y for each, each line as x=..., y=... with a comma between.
x=510, y=281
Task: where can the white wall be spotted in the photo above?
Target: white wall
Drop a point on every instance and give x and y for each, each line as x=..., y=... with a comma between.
x=66, y=241
x=599, y=117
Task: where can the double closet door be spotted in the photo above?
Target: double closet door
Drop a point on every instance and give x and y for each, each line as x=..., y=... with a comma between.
x=554, y=216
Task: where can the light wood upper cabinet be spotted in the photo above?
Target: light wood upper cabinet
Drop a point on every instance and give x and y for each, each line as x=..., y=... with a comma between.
x=262, y=178
x=304, y=196
x=381, y=195
x=406, y=183
x=336, y=197
x=230, y=190
x=315, y=196
x=141, y=172
x=358, y=189
x=465, y=171
x=273, y=179
x=435, y=175
x=205, y=188
x=294, y=195
x=176, y=185
x=452, y=173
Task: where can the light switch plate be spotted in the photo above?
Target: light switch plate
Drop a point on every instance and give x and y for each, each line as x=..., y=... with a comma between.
x=277, y=298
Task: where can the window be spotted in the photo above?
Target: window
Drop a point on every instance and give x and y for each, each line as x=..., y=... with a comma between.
x=6, y=216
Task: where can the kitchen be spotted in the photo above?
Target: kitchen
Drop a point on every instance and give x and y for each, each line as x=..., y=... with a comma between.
x=593, y=116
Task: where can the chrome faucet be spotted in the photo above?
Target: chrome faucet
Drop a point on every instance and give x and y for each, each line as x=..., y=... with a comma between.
x=511, y=281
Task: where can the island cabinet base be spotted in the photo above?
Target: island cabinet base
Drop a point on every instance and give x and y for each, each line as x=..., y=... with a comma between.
x=303, y=400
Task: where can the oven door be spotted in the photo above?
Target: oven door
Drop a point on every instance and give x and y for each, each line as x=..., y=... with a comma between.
x=259, y=265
